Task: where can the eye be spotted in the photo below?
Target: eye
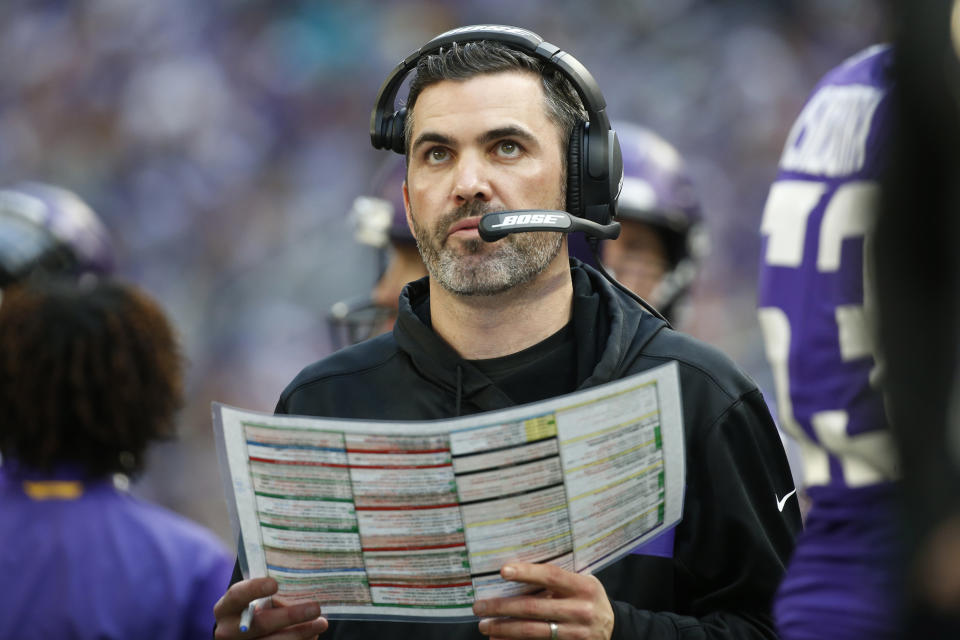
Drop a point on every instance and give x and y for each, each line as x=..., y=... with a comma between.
x=436, y=155
x=508, y=149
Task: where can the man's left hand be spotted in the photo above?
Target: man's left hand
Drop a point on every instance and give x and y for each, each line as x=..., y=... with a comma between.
x=576, y=603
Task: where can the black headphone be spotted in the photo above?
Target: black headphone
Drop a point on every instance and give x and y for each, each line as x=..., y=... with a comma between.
x=594, y=163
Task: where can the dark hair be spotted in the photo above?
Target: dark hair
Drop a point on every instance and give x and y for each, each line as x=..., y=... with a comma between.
x=89, y=375
x=464, y=61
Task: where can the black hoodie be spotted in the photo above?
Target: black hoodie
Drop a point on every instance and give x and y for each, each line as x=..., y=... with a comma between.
x=731, y=547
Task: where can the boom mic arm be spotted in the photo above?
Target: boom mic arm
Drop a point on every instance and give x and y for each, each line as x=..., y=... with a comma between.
x=494, y=226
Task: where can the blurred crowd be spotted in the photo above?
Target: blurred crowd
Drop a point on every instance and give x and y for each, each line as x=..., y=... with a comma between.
x=223, y=142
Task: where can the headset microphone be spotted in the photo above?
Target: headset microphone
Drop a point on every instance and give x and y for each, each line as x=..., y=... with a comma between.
x=494, y=226
x=500, y=224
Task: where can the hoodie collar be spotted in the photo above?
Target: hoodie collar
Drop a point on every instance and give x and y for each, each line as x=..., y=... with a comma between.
x=610, y=326
x=437, y=361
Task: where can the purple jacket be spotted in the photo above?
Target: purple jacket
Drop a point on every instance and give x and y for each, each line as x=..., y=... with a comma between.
x=82, y=559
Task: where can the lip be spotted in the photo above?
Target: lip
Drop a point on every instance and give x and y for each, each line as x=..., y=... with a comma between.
x=466, y=225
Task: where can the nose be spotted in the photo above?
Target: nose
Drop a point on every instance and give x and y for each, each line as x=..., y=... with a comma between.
x=471, y=181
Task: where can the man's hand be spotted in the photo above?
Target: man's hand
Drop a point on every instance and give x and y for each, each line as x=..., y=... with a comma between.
x=576, y=603
x=279, y=623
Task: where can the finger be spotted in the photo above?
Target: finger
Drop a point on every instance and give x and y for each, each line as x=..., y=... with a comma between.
x=300, y=631
x=293, y=619
x=509, y=628
x=240, y=594
x=530, y=607
x=547, y=576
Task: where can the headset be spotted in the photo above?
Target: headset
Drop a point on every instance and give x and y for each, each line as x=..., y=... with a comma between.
x=594, y=165
x=594, y=162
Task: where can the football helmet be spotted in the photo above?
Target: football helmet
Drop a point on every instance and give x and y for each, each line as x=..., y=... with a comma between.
x=659, y=194
x=380, y=221
x=50, y=230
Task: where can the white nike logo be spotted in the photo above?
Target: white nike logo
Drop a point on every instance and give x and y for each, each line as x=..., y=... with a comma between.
x=782, y=501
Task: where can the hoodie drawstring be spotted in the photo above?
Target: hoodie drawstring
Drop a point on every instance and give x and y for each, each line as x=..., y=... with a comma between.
x=459, y=387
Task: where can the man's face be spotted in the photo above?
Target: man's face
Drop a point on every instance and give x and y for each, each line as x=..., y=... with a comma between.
x=481, y=145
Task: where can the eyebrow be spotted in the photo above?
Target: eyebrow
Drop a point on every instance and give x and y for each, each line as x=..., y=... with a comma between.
x=431, y=136
x=510, y=131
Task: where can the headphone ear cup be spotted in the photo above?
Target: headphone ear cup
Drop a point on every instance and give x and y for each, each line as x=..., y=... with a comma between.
x=575, y=171
x=615, y=173
x=397, y=126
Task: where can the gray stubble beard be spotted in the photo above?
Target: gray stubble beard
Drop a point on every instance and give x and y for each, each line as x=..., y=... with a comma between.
x=469, y=271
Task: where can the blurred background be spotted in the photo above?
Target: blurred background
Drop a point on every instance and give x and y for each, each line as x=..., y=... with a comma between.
x=224, y=141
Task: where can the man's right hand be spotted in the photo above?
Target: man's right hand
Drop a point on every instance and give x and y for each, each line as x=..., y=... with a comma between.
x=279, y=623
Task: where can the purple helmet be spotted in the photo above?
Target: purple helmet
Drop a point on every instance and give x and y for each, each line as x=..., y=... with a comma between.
x=49, y=229
x=379, y=216
x=657, y=191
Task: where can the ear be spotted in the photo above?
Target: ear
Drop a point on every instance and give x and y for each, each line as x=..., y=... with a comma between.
x=406, y=207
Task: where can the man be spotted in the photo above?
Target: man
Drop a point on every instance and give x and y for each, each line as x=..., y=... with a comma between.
x=499, y=324
x=662, y=238
x=816, y=311
x=382, y=223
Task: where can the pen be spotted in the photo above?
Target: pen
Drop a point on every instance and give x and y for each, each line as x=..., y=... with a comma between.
x=247, y=617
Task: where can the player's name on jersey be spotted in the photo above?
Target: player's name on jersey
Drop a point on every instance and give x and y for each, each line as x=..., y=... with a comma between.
x=830, y=136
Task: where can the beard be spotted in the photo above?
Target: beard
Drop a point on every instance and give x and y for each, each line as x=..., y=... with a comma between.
x=476, y=267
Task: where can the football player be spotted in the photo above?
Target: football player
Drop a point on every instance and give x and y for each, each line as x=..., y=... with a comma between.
x=816, y=312
x=380, y=221
x=662, y=238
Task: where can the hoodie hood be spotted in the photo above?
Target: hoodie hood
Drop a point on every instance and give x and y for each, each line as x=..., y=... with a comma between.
x=611, y=329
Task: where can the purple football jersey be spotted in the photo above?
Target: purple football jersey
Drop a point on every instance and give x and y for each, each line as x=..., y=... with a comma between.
x=816, y=313
x=815, y=291
x=83, y=559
